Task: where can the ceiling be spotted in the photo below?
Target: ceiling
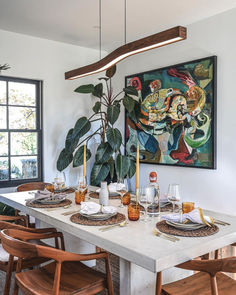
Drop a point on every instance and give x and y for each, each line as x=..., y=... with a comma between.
x=77, y=22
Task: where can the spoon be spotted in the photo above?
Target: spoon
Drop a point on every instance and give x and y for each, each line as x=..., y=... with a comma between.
x=122, y=224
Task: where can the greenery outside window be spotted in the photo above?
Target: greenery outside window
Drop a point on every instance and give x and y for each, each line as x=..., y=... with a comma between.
x=20, y=131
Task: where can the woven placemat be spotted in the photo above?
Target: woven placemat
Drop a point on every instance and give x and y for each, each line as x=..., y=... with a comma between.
x=77, y=218
x=66, y=202
x=201, y=232
x=96, y=196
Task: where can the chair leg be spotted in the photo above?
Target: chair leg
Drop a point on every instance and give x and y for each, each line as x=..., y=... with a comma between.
x=214, y=289
x=217, y=254
x=158, y=284
x=109, y=276
x=8, y=275
x=18, y=269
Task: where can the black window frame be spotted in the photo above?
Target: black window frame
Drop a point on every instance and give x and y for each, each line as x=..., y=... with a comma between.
x=39, y=127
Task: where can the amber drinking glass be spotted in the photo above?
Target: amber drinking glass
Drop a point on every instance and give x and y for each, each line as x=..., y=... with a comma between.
x=50, y=188
x=126, y=199
x=187, y=207
x=133, y=212
x=81, y=191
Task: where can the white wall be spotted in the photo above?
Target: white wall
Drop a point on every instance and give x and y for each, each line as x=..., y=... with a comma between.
x=47, y=60
x=213, y=189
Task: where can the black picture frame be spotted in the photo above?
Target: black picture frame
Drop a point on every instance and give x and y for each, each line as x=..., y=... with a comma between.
x=212, y=163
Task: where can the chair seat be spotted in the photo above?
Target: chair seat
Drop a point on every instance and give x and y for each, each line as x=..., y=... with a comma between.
x=76, y=278
x=199, y=284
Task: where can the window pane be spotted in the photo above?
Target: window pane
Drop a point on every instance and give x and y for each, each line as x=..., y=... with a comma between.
x=3, y=117
x=3, y=92
x=3, y=143
x=22, y=118
x=22, y=93
x=23, y=143
x=24, y=167
x=3, y=169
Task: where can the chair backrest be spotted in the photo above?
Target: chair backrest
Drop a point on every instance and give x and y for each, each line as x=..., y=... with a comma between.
x=32, y=186
x=16, y=247
x=211, y=266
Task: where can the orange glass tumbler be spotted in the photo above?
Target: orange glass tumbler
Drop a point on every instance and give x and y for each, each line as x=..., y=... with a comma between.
x=50, y=188
x=133, y=212
x=126, y=199
x=187, y=207
x=80, y=196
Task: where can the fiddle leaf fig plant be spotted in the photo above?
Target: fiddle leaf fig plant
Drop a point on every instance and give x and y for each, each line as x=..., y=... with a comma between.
x=109, y=158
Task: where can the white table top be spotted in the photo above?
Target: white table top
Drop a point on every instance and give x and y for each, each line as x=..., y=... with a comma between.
x=135, y=242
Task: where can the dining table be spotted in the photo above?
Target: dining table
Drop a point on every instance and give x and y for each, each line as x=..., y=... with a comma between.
x=141, y=253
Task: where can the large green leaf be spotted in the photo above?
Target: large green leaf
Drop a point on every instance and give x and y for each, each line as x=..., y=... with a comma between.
x=99, y=173
x=98, y=90
x=130, y=90
x=104, y=152
x=128, y=103
x=132, y=168
x=135, y=114
x=113, y=112
x=64, y=160
x=82, y=126
x=114, y=138
x=111, y=164
x=79, y=156
x=111, y=71
x=71, y=142
x=97, y=107
x=122, y=166
x=89, y=88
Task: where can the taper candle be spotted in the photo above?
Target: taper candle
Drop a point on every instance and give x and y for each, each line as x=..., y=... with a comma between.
x=137, y=168
x=85, y=160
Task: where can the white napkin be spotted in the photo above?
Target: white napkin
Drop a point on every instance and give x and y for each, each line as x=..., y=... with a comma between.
x=112, y=187
x=90, y=208
x=195, y=216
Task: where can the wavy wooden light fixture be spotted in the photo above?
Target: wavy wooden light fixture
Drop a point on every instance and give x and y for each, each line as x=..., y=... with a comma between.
x=157, y=40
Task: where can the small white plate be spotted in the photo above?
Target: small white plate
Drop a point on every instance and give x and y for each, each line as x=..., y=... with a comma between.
x=51, y=200
x=185, y=226
x=99, y=216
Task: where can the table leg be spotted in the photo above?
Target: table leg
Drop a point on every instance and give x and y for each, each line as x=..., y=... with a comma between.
x=135, y=280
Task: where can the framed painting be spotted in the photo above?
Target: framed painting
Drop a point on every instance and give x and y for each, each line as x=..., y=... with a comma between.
x=177, y=125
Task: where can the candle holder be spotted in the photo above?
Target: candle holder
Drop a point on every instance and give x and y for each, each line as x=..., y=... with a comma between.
x=133, y=212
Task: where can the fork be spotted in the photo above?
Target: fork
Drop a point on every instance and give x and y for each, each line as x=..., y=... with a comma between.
x=165, y=236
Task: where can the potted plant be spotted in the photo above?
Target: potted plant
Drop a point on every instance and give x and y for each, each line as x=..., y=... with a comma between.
x=109, y=158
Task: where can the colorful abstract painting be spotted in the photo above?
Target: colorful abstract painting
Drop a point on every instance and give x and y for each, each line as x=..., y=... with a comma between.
x=178, y=107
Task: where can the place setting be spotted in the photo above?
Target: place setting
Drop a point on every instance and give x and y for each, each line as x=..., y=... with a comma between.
x=46, y=199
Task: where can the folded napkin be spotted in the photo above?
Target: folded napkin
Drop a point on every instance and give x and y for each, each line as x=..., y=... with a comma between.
x=40, y=195
x=195, y=216
x=90, y=208
x=112, y=187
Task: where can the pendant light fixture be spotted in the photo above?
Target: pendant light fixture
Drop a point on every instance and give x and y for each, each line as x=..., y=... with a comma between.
x=154, y=41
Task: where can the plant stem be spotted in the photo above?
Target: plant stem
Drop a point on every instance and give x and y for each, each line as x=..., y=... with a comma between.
x=117, y=95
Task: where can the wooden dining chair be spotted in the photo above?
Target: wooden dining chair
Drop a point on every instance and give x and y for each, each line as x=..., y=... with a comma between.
x=30, y=186
x=8, y=265
x=209, y=279
x=66, y=275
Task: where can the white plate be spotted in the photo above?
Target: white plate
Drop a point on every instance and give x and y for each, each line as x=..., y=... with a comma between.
x=99, y=216
x=51, y=201
x=185, y=226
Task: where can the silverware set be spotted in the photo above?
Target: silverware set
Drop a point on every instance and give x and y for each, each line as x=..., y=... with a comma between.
x=221, y=222
x=122, y=224
x=165, y=236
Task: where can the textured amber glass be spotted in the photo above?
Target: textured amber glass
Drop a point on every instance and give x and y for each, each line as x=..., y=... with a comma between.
x=126, y=199
x=133, y=212
x=80, y=196
x=187, y=207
